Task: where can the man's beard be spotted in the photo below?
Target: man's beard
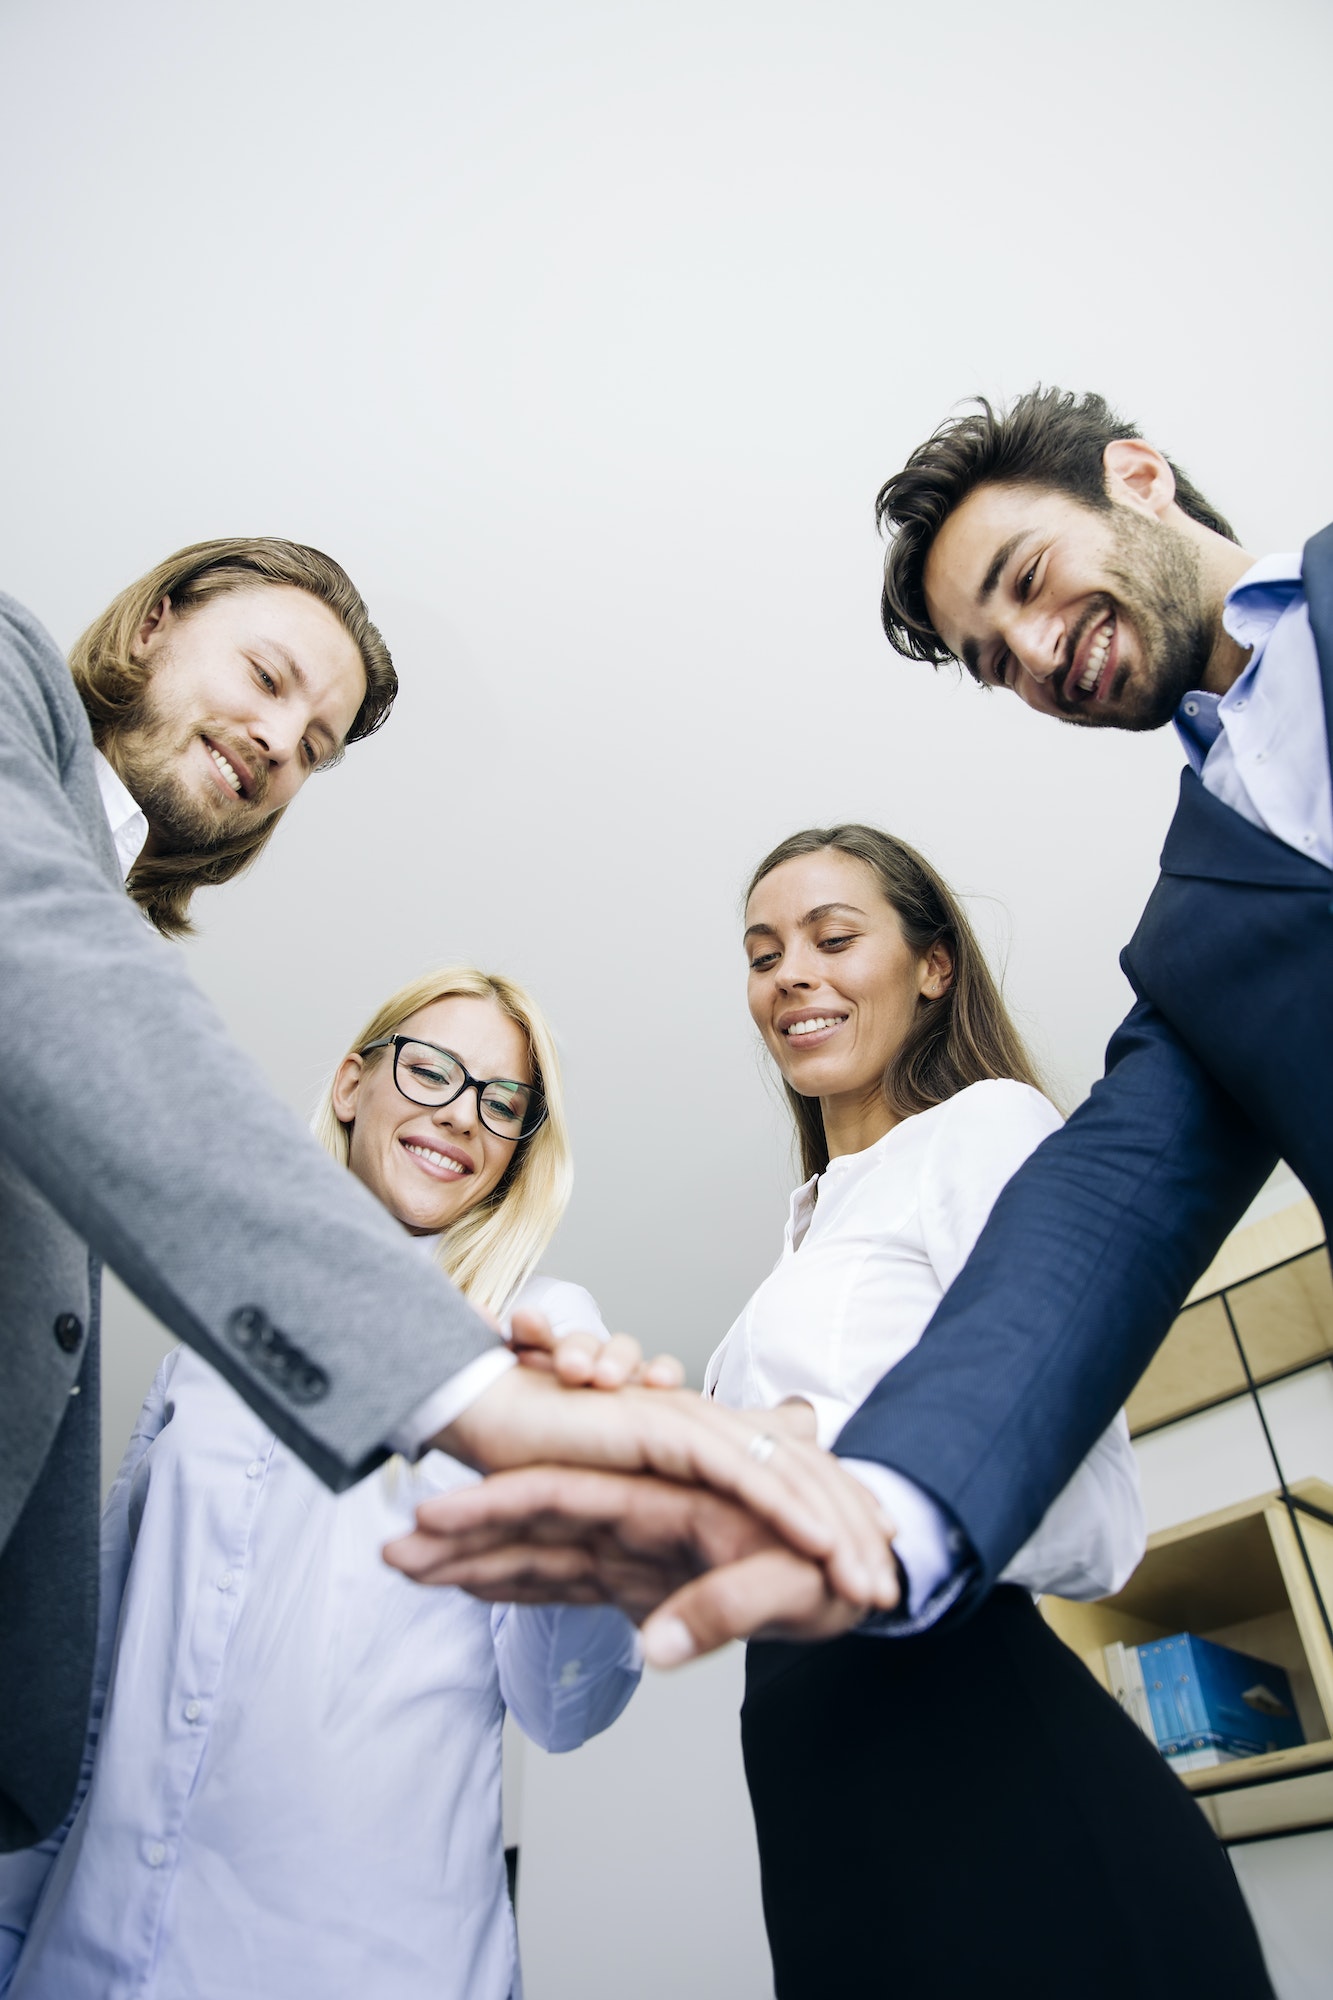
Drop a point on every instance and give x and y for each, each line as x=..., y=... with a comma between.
x=1158, y=587
x=146, y=750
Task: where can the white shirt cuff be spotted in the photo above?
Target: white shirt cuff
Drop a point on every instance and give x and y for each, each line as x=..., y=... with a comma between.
x=926, y=1543
x=449, y=1401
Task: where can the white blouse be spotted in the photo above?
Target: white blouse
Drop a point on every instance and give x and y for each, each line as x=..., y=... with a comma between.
x=296, y=1790
x=870, y=1248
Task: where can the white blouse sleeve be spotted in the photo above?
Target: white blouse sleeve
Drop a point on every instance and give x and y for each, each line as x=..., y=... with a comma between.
x=569, y=1308
x=984, y=1137
x=1091, y=1538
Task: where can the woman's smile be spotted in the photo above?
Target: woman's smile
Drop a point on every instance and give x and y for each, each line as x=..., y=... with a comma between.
x=834, y=987
x=440, y=1161
x=810, y=1028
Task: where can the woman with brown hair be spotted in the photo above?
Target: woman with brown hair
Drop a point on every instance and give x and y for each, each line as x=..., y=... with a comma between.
x=961, y=1810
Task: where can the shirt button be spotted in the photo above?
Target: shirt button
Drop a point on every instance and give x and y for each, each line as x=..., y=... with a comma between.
x=193, y=1710
x=1237, y=706
x=68, y=1331
x=254, y=1468
x=226, y=1580
x=155, y=1854
x=570, y=1672
x=1260, y=756
x=1191, y=708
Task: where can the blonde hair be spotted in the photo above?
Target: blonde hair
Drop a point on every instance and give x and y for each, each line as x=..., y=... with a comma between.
x=111, y=683
x=491, y=1250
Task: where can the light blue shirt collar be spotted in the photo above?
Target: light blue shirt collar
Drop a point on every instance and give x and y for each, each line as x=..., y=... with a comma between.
x=1252, y=608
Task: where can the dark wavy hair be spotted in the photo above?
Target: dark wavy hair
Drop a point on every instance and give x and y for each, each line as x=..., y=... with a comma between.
x=966, y=1036
x=1049, y=437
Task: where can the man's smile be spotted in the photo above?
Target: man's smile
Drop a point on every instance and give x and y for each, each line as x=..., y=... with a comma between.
x=1090, y=676
x=234, y=773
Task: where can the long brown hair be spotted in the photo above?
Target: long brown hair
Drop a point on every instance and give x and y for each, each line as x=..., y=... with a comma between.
x=966, y=1036
x=111, y=683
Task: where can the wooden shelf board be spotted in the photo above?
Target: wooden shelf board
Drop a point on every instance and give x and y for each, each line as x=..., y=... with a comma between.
x=1318, y=1491
x=1258, y=1812
x=1248, y=1771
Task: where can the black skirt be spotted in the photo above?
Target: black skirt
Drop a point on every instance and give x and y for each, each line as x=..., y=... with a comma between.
x=968, y=1813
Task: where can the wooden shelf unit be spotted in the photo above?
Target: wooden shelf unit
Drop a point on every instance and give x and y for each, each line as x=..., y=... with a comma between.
x=1238, y=1576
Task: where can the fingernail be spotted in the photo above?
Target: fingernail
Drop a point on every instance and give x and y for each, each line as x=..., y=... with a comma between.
x=668, y=1642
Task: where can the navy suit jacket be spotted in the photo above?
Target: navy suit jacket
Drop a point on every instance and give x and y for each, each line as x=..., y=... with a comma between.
x=1224, y=1066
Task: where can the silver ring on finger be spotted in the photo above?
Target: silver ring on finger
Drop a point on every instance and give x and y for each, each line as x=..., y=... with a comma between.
x=762, y=1447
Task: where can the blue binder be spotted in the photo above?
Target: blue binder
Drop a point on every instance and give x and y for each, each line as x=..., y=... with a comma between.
x=1158, y=1661
x=1203, y=1696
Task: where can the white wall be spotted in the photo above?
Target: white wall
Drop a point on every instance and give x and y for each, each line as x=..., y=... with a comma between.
x=638, y=1872
x=584, y=333
x=1286, y=1886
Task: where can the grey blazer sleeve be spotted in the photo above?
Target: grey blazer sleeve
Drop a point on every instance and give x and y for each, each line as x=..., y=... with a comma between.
x=125, y=1104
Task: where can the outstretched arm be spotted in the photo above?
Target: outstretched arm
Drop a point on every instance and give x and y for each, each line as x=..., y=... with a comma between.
x=254, y=1247
x=1083, y=1265
x=1074, y=1282
x=559, y=1533
x=795, y=1490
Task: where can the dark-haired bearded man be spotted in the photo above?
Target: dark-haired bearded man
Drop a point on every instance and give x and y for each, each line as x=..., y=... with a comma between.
x=1059, y=555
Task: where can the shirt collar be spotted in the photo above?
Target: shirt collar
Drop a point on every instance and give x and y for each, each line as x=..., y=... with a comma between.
x=845, y=1169
x=124, y=816
x=1257, y=600
x=1251, y=609
x=802, y=1207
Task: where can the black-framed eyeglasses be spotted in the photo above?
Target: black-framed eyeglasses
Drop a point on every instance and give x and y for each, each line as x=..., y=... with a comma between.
x=427, y=1074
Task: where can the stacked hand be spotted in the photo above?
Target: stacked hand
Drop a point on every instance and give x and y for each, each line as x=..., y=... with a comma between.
x=707, y=1523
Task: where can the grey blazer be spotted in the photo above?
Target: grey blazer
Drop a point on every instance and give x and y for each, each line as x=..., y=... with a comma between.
x=132, y=1131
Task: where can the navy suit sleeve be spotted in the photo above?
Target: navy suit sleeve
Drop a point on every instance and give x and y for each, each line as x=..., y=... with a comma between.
x=1074, y=1282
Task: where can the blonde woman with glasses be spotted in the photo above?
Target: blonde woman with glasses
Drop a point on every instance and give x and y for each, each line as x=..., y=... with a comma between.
x=292, y=1782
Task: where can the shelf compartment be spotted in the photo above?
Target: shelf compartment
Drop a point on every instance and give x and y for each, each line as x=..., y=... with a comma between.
x=1275, y=1278
x=1237, y=1576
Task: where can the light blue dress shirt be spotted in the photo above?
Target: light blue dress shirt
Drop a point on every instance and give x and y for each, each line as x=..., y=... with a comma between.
x=1262, y=748
x=292, y=1781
